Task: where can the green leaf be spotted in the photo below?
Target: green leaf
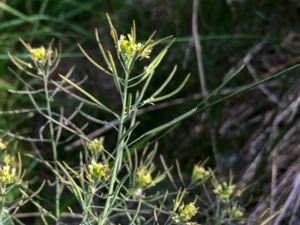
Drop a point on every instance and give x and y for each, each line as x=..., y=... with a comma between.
x=154, y=64
x=178, y=89
x=91, y=97
x=93, y=61
x=113, y=30
x=114, y=72
x=160, y=128
x=161, y=88
x=101, y=48
x=9, y=9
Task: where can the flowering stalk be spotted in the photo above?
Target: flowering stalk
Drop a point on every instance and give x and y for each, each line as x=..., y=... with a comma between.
x=3, y=190
x=42, y=60
x=129, y=51
x=53, y=144
x=119, y=154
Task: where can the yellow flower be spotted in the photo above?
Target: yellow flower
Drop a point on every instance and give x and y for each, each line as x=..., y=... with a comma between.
x=128, y=48
x=98, y=171
x=235, y=212
x=2, y=145
x=138, y=47
x=97, y=145
x=199, y=173
x=224, y=191
x=7, y=159
x=7, y=174
x=185, y=212
x=144, y=178
x=145, y=54
x=40, y=54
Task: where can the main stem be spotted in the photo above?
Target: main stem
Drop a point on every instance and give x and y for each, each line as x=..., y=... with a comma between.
x=119, y=156
x=2, y=205
x=54, y=149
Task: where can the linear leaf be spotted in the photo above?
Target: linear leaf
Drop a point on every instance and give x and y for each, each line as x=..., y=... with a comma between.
x=161, y=88
x=93, y=61
x=92, y=98
x=114, y=72
x=178, y=89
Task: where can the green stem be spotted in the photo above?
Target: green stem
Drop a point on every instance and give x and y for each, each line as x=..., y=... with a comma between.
x=88, y=205
x=2, y=205
x=54, y=148
x=119, y=156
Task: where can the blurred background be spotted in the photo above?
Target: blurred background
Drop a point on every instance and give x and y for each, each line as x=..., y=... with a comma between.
x=254, y=135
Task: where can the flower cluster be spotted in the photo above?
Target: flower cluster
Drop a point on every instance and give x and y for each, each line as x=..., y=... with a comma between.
x=143, y=178
x=128, y=47
x=224, y=191
x=199, y=174
x=96, y=145
x=97, y=171
x=40, y=54
x=8, y=159
x=185, y=212
x=235, y=212
x=41, y=59
x=2, y=145
x=7, y=174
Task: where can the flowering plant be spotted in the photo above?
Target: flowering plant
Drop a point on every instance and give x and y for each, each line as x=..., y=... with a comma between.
x=121, y=183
